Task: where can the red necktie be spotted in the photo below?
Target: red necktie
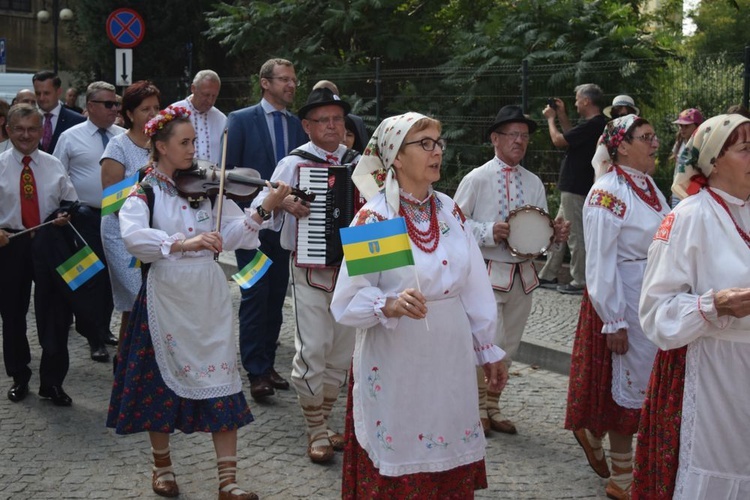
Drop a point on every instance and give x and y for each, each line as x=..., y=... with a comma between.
x=332, y=159
x=29, y=199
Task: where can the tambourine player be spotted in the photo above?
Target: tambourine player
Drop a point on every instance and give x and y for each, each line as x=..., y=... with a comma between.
x=487, y=195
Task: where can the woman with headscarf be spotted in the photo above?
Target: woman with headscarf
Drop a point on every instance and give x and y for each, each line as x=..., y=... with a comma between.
x=413, y=427
x=124, y=155
x=612, y=358
x=693, y=441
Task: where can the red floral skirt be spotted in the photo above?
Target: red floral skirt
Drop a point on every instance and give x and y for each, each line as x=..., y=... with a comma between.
x=590, y=403
x=361, y=480
x=658, y=446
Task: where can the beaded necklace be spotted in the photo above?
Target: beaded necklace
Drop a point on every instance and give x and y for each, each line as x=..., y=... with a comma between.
x=651, y=199
x=723, y=204
x=428, y=240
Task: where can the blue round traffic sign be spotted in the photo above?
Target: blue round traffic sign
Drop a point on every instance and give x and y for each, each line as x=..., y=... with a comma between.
x=125, y=28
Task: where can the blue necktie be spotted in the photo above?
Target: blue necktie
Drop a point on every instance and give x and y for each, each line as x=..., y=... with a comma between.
x=105, y=137
x=278, y=132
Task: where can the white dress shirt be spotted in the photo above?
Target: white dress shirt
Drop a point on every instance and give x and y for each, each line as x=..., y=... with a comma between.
x=79, y=149
x=52, y=183
x=209, y=128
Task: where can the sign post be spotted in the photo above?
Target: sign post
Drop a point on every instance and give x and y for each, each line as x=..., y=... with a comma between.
x=126, y=29
x=2, y=55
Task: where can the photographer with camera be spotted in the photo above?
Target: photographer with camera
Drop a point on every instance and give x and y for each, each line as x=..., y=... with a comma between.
x=576, y=178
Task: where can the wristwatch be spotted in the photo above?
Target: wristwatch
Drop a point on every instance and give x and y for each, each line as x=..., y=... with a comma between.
x=264, y=214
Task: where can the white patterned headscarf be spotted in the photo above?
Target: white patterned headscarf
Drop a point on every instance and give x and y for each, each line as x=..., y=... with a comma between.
x=696, y=163
x=613, y=135
x=375, y=169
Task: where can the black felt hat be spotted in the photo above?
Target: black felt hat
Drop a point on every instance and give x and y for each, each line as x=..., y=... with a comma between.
x=322, y=97
x=511, y=114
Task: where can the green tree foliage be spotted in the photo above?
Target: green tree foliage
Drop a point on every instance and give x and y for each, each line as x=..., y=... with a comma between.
x=721, y=27
x=163, y=55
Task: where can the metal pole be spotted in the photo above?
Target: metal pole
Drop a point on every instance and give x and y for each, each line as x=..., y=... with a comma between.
x=525, y=86
x=746, y=88
x=55, y=21
x=377, y=89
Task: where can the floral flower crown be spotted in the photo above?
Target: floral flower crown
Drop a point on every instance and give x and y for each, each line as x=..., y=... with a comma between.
x=163, y=117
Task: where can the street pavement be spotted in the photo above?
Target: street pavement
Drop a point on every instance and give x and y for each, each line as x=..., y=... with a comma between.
x=47, y=452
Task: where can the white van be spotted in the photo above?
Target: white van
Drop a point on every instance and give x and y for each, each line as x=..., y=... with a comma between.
x=11, y=83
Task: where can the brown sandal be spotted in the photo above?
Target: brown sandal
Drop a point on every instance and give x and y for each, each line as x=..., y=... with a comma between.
x=162, y=479
x=228, y=489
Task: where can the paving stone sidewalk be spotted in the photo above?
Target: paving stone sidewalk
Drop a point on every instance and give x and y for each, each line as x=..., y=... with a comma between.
x=48, y=452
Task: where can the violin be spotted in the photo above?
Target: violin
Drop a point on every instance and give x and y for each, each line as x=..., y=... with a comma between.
x=202, y=181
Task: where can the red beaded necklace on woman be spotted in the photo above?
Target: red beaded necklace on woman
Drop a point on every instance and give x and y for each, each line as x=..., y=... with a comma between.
x=428, y=240
x=651, y=199
x=723, y=204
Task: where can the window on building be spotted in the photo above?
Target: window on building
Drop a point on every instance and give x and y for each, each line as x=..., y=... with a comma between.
x=17, y=5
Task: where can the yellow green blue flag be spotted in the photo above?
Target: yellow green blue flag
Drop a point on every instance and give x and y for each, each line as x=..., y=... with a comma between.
x=376, y=247
x=114, y=196
x=78, y=269
x=253, y=271
x=134, y=263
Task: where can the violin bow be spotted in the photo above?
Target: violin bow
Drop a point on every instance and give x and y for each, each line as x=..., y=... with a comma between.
x=220, y=197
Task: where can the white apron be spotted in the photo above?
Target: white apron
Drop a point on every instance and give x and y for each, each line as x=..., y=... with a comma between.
x=195, y=358
x=399, y=403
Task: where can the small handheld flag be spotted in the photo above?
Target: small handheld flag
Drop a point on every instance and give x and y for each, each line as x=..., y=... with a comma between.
x=78, y=269
x=114, y=196
x=253, y=271
x=376, y=247
x=134, y=263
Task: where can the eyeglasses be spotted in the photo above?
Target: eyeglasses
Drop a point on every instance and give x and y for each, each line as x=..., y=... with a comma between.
x=25, y=130
x=108, y=104
x=428, y=144
x=650, y=138
x=516, y=135
x=336, y=120
x=284, y=79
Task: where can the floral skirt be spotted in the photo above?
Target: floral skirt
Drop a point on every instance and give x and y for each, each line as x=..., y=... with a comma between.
x=590, y=403
x=141, y=401
x=658, y=445
x=361, y=480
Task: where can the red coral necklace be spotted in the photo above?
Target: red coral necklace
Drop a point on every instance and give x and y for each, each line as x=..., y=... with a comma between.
x=428, y=240
x=723, y=204
x=651, y=199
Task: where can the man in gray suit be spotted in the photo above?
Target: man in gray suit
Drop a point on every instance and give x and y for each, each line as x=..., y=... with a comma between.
x=258, y=137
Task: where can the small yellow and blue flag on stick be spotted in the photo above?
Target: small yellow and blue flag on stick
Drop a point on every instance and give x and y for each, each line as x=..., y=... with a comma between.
x=134, y=263
x=78, y=269
x=253, y=271
x=376, y=247
x=114, y=196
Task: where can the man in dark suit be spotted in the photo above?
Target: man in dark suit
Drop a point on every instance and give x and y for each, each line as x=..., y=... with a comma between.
x=57, y=118
x=258, y=137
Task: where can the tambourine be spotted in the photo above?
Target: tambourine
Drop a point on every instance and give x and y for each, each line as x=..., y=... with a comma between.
x=532, y=231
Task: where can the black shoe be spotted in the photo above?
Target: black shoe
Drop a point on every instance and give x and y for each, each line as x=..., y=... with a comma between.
x=571, y=289
x=277, y=381
x=110, y=339
x=56, y=394
x=18, y=391
x=99, y=353
x=548, y=284
x=261, y=387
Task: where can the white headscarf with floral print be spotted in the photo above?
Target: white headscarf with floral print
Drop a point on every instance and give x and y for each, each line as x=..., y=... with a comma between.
x=378, y=158
x=614, y=133
x=701, y=151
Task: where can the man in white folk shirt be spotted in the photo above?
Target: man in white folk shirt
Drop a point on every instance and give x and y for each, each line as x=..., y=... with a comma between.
x=79, y=149
x=486, y=196
x=208, y=121
x=323, y=347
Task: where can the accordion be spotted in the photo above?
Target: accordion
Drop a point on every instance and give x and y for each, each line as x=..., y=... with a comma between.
x=318, y=238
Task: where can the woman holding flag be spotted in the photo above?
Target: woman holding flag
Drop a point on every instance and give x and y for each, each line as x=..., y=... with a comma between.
x=413, y=425
x=177, y=363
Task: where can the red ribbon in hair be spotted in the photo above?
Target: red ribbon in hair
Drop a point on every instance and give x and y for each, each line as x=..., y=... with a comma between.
x=697, y=182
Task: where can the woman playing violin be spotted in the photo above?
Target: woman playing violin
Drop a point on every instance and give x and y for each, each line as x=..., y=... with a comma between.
x=177, y=363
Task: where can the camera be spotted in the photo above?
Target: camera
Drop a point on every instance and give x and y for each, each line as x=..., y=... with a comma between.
x=551, y=102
